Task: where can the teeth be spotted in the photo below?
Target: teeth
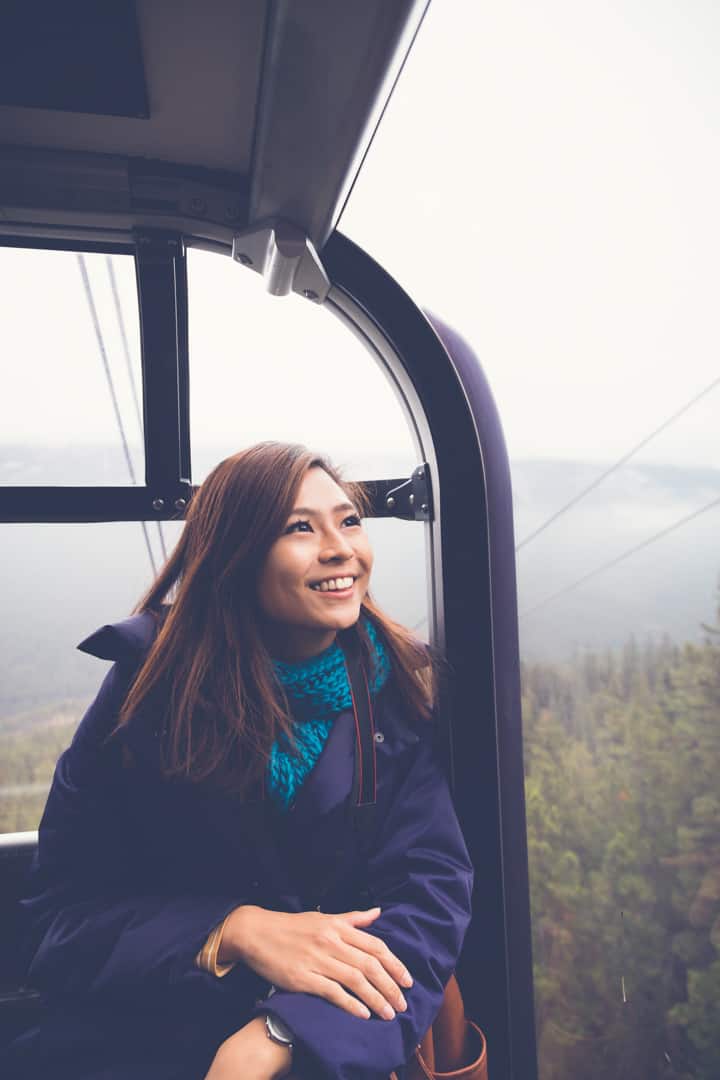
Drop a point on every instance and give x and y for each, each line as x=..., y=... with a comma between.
x=334, y=584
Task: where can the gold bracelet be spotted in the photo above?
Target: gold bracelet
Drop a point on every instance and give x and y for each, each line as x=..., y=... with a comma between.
x=207, y=957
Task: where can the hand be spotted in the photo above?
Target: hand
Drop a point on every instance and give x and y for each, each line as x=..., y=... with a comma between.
x=250, y=1055
x=320, y=954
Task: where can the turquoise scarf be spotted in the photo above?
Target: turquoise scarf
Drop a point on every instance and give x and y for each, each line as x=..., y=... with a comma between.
x=317, y=689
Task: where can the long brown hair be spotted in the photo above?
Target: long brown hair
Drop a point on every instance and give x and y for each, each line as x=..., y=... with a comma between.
x=224, y=708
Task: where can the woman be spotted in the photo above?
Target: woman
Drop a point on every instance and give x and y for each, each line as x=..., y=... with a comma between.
x=202, y=811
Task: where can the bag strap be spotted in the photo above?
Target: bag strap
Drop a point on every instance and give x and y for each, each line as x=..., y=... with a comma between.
x=364, y=788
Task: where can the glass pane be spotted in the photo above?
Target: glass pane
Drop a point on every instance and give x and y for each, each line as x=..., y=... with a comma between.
x=70, y=375
x=267, y=367
x=584, y=176
x=56, y=590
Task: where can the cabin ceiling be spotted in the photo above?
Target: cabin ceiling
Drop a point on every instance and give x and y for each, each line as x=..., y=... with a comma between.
x=174, y=113
x=199, y=72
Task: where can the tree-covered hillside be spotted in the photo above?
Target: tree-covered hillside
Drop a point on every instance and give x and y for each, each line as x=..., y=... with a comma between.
x=622, y=761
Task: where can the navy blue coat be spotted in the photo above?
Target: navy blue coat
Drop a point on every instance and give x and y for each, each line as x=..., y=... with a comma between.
x=133, y=871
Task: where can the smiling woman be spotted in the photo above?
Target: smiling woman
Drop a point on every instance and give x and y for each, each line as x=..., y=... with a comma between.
x=202, y=903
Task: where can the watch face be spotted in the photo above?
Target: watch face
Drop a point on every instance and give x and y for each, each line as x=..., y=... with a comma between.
x=278, y=1029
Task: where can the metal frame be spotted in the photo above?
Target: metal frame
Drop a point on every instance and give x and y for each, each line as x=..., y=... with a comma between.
x=161, y=269
x=474, y=616
x=161, y=273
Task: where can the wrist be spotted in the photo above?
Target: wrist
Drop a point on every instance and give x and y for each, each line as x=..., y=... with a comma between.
x=277, y=1058
x=236, y=934
x=280, y=1060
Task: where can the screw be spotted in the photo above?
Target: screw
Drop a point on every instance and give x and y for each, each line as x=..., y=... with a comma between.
x=411, y=500
x=244, y=259
x=158, y=504
x=310, y=294
x=424, y=508
x=390, y=502
x=180, y=504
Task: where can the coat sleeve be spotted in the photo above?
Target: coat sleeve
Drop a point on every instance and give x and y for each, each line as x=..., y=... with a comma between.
x=422, y=877
x=91, y=926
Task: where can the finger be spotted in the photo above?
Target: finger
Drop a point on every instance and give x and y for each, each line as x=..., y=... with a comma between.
x=374, y=973
x=355, y=980
x=334, y=993
x=360, y=917
x=377, y=948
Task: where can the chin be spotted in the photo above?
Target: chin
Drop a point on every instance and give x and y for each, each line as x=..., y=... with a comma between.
x=342, y=620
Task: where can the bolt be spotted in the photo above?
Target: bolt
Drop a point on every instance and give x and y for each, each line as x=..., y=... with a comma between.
x=180, y=504
x=424, y=508
x=310, y=294
x=390, y=502
x=244, y=259
x=158, y=504
x=411, y=500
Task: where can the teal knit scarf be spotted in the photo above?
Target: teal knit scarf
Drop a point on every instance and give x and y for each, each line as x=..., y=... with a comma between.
x=317, y=689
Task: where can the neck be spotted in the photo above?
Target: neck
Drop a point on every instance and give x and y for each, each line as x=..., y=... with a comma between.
x=294, y=645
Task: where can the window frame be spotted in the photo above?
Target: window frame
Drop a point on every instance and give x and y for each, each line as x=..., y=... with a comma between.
x=161, y=275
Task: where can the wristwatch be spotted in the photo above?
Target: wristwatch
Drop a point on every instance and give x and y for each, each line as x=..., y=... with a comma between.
x=278, y=1031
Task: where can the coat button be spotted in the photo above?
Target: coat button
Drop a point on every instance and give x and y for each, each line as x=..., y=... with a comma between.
x=379, y=737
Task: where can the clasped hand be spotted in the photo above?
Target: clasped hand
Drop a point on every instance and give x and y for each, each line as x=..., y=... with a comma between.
x=322, y=954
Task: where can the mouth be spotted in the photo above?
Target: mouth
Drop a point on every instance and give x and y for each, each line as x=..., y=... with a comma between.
x=335, y=587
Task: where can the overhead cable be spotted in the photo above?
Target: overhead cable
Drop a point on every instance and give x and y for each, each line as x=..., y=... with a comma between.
x=128, y=364
x=108, y=374
x=620, y=462
x=622, y=557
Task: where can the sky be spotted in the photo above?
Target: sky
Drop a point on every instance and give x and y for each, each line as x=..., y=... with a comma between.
x=544, y=178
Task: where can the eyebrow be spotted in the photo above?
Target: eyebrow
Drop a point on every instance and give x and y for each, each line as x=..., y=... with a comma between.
x=335, y=509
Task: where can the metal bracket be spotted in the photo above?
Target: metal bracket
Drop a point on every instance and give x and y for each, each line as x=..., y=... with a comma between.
x=284, y=256
x=410, y=499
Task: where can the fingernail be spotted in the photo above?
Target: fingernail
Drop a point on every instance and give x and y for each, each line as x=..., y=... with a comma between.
x=366, y=1012
x=388, y=1012
x=402, y=1003
x=407, y=979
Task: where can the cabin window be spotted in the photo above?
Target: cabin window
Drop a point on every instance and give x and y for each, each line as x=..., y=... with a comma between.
x=261, y=368
x=71, y=406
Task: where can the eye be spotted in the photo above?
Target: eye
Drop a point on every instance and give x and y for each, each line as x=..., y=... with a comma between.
x=353, y=519
x=297, y=526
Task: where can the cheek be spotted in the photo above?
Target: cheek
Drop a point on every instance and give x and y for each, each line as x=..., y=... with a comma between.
x=366, y=557
x=279, y=583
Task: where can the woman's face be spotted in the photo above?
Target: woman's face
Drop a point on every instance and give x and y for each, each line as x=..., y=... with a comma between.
x=316, y=573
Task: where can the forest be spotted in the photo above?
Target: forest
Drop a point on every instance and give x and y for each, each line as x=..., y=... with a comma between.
x=622, y=758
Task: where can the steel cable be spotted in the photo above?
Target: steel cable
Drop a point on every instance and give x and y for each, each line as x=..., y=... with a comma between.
x=621, y=461
x=128, y=363
x=113, y=396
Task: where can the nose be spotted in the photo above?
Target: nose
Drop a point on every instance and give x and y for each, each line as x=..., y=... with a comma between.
x=336, y=547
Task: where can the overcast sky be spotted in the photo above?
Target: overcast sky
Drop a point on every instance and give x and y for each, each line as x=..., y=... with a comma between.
x=545, y=178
